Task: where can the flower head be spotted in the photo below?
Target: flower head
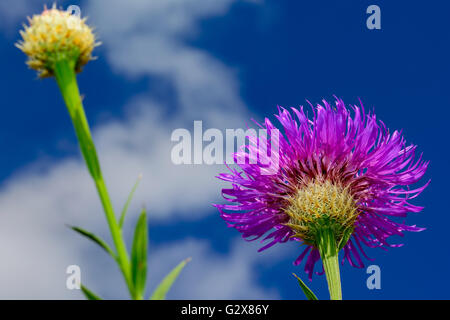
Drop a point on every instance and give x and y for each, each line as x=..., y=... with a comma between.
x=54, y=35
x=346, y=173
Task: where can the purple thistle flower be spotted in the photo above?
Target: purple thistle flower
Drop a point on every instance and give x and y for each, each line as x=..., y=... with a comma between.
x=348, y=173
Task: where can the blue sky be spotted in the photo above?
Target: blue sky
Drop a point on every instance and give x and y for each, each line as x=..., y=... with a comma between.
x=164, y=64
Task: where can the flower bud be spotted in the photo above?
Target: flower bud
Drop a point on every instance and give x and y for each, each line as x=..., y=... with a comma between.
x=56, y=35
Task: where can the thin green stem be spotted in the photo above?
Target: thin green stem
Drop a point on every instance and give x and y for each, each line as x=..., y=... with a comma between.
x=116, y=233
x=329, y=254
x=66, y=79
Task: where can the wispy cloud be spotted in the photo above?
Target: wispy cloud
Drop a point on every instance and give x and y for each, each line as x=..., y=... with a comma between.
x=151, y=40
x=209, y=275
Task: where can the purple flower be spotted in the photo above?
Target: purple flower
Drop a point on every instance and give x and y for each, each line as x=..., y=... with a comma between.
x=337, y=170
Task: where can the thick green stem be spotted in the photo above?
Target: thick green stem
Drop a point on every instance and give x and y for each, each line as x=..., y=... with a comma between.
x=329, y=253
x=66, y=79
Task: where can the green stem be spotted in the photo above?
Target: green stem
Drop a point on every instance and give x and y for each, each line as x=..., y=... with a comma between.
x=329, y=254
x=66, y=79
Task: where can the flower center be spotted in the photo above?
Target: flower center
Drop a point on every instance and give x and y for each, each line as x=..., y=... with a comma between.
x=320, y=205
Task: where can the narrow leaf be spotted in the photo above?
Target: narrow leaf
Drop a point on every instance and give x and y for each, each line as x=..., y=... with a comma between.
x=307, y=291
x=89, y=294
x=345, y=237
x=125, y=208
x=139, y=255
x=86, y=143
x=164, y=286
x=94, y=238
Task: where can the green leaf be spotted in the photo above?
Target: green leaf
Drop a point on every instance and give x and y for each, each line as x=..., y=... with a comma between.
x=94, y=238
x=307, y=291
x=139, y=255
x=345, y=237
x=86, y=143
x=89, y=294
x=167, y=282
x=125, y=208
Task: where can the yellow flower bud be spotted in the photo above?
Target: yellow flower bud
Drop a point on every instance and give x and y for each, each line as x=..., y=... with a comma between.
x=56, y=35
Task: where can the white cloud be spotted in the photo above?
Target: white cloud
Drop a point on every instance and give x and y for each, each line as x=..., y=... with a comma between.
x=142, y=145
x=150, y=38
x=36, y=251
x=36, y=247
x=209, y=275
